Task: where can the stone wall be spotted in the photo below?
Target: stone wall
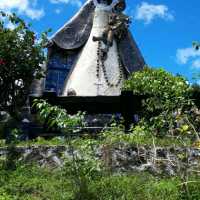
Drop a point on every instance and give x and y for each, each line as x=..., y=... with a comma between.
x=120, y=158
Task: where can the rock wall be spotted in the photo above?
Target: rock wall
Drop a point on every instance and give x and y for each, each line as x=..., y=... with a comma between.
x=118, y=158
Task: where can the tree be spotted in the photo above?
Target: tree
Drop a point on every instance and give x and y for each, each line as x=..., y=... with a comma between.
x=21, y=58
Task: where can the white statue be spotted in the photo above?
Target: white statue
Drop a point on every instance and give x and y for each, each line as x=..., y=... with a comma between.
x=91, y=53
x=96, y=74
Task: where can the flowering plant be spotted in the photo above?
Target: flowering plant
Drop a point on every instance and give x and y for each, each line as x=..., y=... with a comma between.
x=21, y=59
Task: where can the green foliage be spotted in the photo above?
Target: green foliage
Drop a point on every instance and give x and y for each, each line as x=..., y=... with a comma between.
x=12, y=157
x=82, y=172
x=58, y=118
x=168, y=108
x=163, y=189
x=85, y=177
x=164, y=91
x=2, y=143
x=168, y=115
x=33, y=183
x=142, y=135
x=21, y=57
x=193, y=186
x=4, y=195
x=137, y=187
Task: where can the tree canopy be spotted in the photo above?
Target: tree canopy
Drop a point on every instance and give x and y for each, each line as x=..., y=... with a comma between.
x=21, y=59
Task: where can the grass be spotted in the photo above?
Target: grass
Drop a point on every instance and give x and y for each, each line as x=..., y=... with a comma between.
x=113, y=137
x=31, y=183
x=34, y=183
x=81, y=181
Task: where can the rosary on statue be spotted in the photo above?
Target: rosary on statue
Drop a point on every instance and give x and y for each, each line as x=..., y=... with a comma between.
x=101, y=58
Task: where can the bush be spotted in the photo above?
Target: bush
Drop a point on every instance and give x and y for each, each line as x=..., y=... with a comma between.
x=168, y=107
x=21, y=58
x=57, y=118
x=164, y=91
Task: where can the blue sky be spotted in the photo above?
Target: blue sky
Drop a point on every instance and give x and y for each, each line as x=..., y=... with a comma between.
x=163, y=29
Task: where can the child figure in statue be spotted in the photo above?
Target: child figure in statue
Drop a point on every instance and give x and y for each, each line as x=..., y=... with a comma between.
x=117, y=25
x=107, y=35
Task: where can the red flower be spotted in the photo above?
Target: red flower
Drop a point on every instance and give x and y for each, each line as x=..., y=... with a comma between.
x=2, y=62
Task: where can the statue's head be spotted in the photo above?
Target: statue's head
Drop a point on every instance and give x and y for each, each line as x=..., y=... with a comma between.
x=108, y=2
x=120, y=6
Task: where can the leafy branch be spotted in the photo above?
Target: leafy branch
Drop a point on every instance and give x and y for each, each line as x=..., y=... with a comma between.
x=58, y=117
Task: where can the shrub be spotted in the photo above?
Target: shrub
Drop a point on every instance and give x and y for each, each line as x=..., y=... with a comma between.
x=58, y=118
x=21, y=57
x=164, y=91
x=168, y=107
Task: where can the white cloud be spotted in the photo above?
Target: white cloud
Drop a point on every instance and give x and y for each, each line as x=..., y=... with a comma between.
x=72, y=2
x=148, y=12
x=185, y=55
x=188, y=56
x=35, y=14
x=57, y=11
x=196, y=64
x=25, y=7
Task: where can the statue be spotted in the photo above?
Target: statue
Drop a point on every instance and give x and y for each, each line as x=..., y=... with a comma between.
x=117, y=25
x=101, y=50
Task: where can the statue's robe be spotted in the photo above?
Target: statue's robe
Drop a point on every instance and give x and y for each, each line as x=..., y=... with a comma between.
x=67, y=43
